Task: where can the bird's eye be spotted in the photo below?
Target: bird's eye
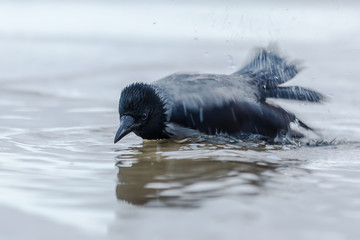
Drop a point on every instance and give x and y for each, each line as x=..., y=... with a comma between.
x=144, y=116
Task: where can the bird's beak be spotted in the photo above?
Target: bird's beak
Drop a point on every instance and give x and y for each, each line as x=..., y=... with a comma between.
x=126, y=126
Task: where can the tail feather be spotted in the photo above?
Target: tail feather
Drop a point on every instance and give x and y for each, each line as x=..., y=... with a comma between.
x=268, y=70
x=293, y=93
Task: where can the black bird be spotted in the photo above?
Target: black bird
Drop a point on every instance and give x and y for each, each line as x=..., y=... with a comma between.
x=182, y=105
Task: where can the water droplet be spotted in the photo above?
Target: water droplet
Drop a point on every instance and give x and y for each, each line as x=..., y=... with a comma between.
x=230, y=61
x=201, y=115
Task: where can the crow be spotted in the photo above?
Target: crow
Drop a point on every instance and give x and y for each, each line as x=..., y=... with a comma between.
x=183, y=105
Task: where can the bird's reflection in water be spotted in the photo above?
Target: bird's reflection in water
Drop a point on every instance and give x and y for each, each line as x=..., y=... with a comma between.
x=183, y=174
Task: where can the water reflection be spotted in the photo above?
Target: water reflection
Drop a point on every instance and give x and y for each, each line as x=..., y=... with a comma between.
x=182, y=174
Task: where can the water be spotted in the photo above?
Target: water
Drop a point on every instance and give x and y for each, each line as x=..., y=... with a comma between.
x=63, y=178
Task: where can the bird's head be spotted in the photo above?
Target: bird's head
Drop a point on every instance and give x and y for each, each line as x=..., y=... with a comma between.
x=141, y=111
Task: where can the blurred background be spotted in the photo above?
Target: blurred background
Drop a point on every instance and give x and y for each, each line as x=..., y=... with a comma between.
x=65, y=42
x=62, y=67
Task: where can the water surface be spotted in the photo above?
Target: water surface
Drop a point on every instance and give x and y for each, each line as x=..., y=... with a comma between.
x=62, y=177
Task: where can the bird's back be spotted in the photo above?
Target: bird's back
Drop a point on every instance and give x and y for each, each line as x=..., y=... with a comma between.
x=195, y=91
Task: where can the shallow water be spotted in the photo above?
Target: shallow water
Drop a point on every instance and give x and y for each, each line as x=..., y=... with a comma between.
x=63, y=178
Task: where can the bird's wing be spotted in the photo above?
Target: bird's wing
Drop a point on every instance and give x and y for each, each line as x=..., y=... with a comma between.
x=208, y=103
x=233, y=118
